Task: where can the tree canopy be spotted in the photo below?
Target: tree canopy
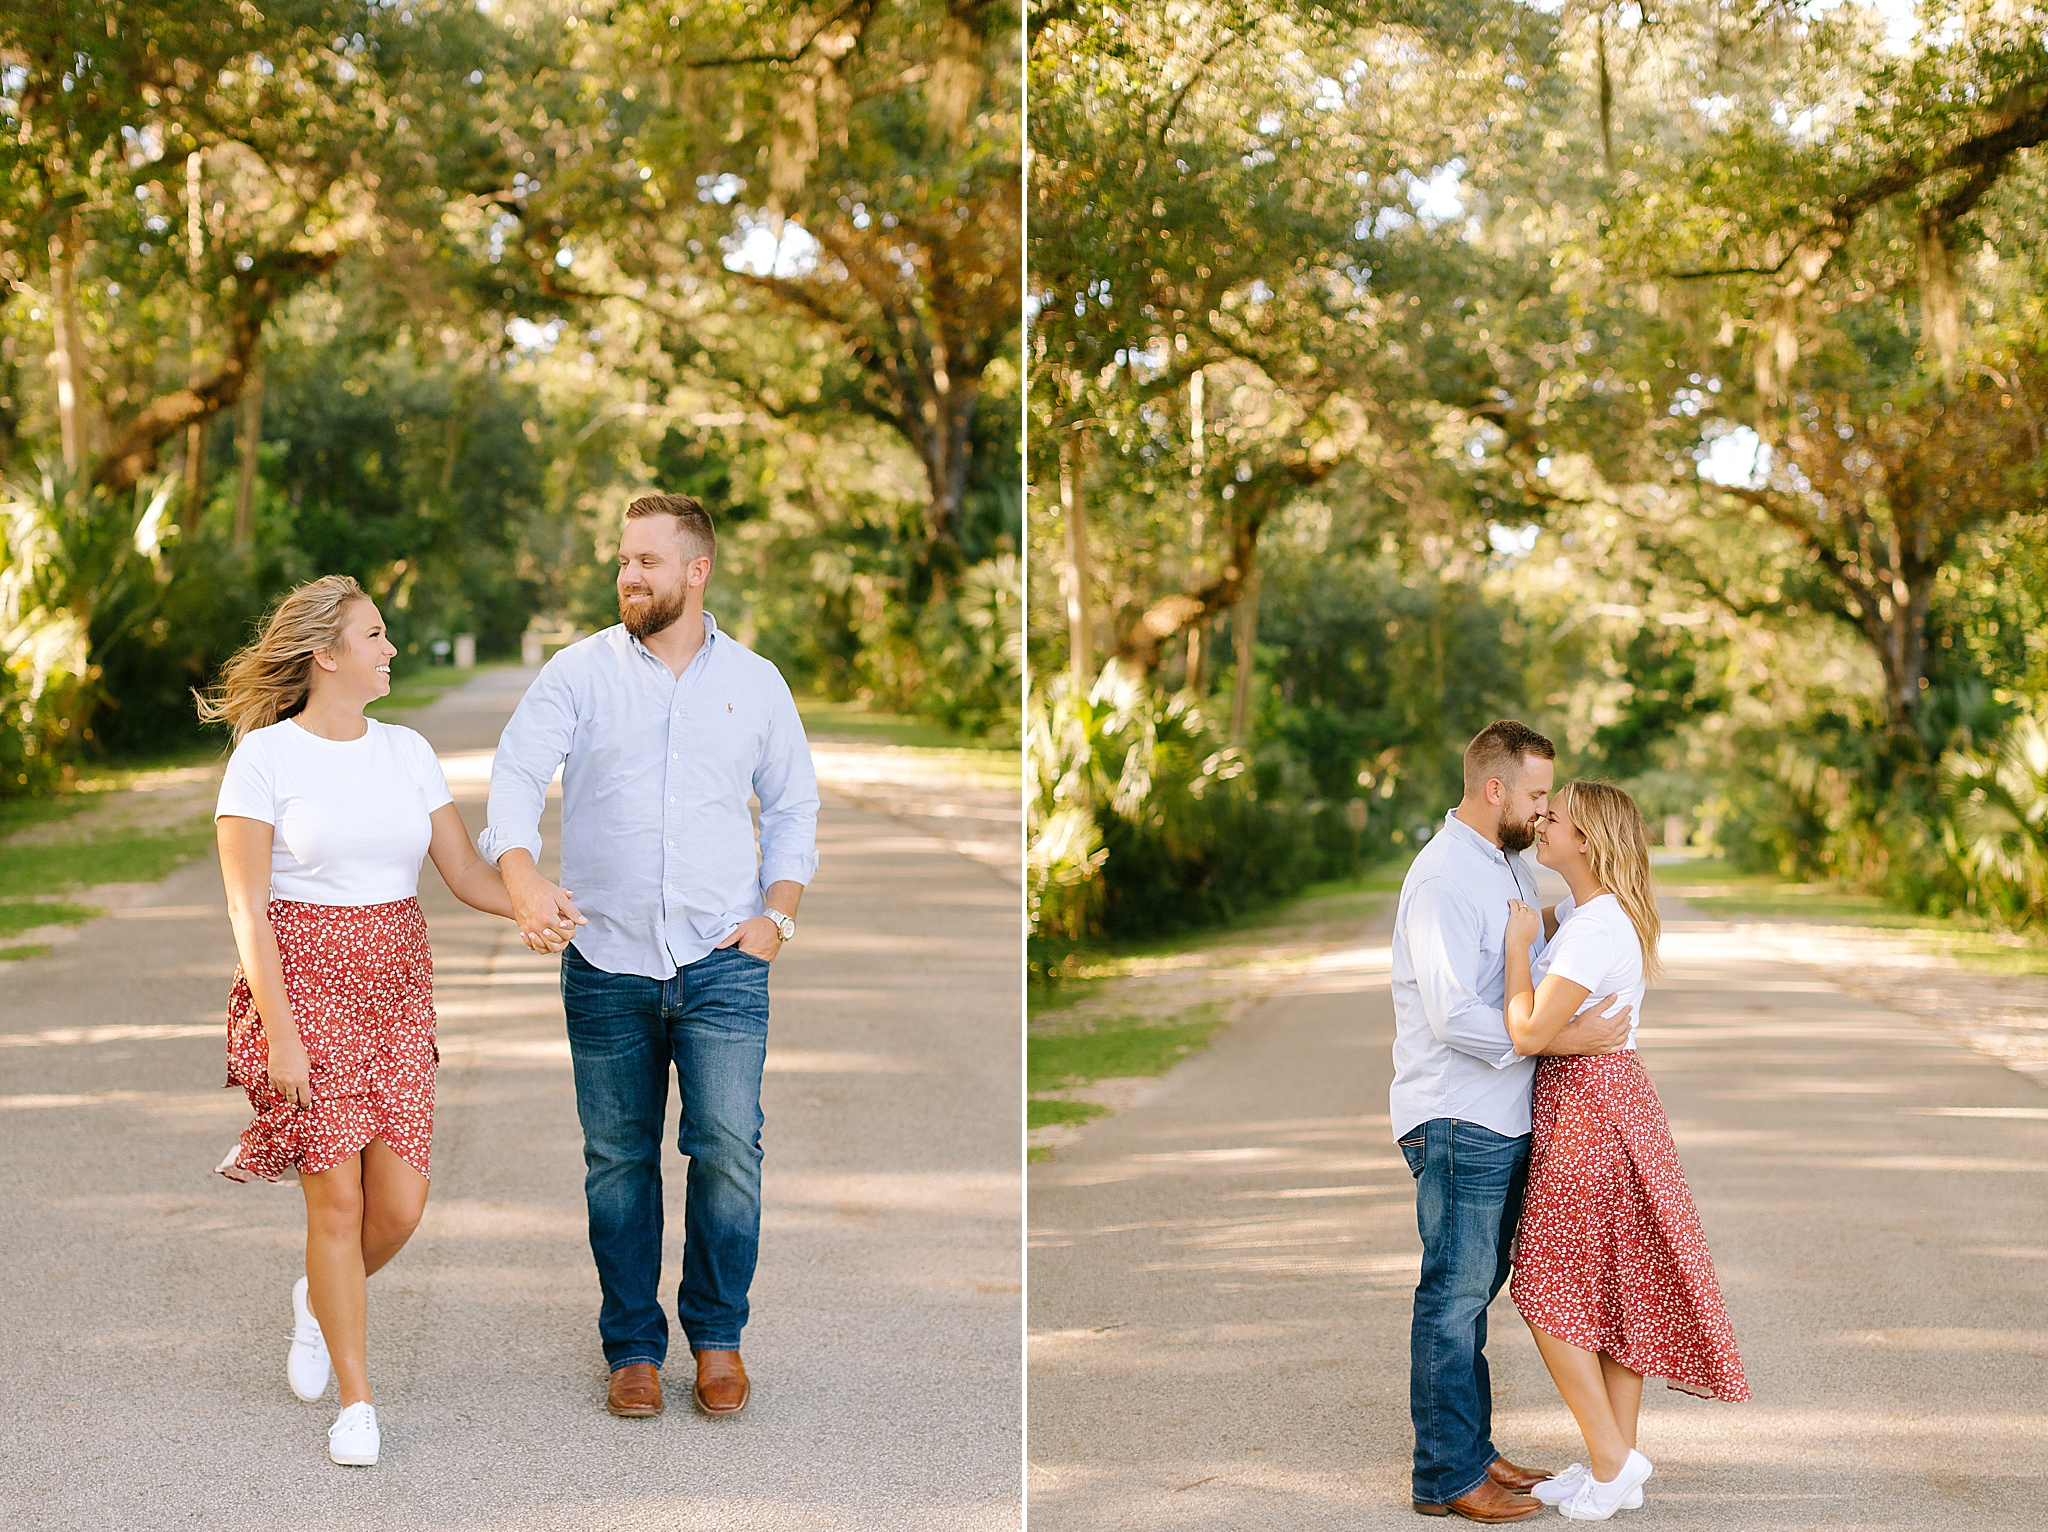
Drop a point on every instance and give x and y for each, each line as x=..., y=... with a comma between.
x=1666, y=376
x=422, y=292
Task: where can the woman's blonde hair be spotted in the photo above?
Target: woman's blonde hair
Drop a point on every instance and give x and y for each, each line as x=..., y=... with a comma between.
x=1618, y=851
x=270, y=678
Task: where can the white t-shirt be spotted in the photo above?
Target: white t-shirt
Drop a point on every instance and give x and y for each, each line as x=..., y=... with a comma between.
x=351, y=815
x=1596, y=946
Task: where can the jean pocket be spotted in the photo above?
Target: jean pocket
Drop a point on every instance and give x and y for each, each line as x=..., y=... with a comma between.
x=1412, y=1151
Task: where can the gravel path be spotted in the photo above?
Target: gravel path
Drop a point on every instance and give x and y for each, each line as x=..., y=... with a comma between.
x=1221, y=1275
x=147, y=1300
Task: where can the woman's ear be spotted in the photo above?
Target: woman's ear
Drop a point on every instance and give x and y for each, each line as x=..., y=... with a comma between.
x=325, y=660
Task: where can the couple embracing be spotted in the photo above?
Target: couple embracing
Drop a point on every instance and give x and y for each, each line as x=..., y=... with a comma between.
x=664, y=728
x=1537, y=1141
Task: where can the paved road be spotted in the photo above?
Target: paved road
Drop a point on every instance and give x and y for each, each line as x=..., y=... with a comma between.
x=146, y=1300
x=1221, y=1276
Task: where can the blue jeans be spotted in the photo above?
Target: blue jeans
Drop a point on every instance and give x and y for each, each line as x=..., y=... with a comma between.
x=1469, y=1183
x=711, y=1019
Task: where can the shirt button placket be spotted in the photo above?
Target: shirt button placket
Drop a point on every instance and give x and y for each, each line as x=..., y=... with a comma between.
x=675, y=755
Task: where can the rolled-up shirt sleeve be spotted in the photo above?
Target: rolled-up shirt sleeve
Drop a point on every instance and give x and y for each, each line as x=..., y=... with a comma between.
x=534, y=744
x=1444, y=940
x=787, y=784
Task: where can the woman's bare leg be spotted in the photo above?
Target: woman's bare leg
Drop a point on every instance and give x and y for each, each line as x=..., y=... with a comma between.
x=1624, y=1395
x=358, y=1216
x=1579, y=1378
x=394, y=1197
x=334, y=1271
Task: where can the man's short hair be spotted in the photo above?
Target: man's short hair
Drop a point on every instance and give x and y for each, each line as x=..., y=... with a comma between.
x=693, y=523
x=1498, y=751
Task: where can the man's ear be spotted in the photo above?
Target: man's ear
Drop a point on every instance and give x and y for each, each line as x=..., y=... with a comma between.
x=1496, y=791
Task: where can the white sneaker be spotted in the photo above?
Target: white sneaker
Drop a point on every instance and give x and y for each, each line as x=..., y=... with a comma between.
x=352, y=1440
x=1560, y=1489
x=1595, y=1501
x=305, y=1364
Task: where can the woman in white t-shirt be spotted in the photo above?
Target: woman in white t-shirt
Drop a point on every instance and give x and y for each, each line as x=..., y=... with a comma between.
x=323, y=820
x=1612, y=1272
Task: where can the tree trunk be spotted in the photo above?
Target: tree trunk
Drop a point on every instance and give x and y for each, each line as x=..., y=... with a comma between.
x=195, y=256
x=133, y=451
x=1897, y=633
x=249, y=410
x=1245, y=637
x=66, y=361
x=1074, y=510
x=1606, y=96
x=948, y=455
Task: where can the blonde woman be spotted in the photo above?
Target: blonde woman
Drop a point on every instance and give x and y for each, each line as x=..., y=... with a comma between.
x=323, y=820
x=1611, y=1272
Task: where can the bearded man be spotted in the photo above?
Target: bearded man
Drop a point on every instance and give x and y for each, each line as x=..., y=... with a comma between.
x=1460, y=1110
x=664, y=726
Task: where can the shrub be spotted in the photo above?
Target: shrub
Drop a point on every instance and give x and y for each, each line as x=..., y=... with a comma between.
x=1142, y=819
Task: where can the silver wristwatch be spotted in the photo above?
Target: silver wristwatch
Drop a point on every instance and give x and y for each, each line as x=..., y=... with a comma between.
x=783, y=924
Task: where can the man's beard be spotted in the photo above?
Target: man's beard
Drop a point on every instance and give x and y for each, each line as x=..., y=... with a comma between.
x=1517, y=838
x=651, y=613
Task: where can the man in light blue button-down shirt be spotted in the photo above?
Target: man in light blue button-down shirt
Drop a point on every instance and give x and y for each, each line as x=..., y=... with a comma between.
x=664, y=728
x=1460, y=1110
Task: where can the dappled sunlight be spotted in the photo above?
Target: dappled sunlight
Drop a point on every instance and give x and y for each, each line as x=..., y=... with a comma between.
x=973, y=1195
x=457, y=1217
x=2030, y=1343
x=113, y=1032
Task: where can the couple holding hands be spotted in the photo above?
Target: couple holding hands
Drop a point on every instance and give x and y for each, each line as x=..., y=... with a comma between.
x=664, y=727
x=1537, y=1141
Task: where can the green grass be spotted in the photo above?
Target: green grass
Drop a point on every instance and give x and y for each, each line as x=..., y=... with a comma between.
x=1114, y=1048
x=1975, y=944
x=849, y=720
x=19, y=915
x=26, y=950
x=78, y=864
x=416, y=688
x=95, y=778
x=112, y=776
x=1118, y=1049
x=1045, y=1114
x=22, y=813
x=1082, y=971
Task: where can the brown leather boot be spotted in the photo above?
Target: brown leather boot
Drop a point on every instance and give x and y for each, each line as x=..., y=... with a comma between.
x=1486, y=1501
x=1520, y=1480
x=635, y=1391
x=722, y=1387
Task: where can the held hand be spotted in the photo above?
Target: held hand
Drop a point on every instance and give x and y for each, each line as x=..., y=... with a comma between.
x=290, y=1075
x=759, y=937
x=1592, y=1032
x=546, y=916
x=1525, y=923
x=554, y=939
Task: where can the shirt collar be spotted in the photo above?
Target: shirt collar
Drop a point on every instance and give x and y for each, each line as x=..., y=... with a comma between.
x=711, y=637
x=1456, y=826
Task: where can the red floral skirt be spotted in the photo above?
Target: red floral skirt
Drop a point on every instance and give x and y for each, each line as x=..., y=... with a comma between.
x=1610, y=1255
x=361, y=983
